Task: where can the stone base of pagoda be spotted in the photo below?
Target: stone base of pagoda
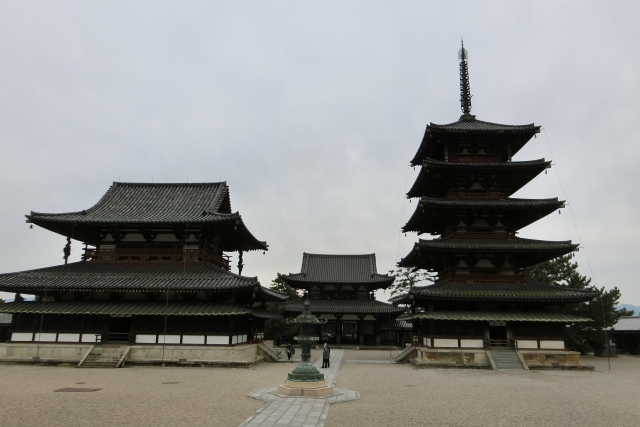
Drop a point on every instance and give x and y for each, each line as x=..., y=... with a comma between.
x=305, y=388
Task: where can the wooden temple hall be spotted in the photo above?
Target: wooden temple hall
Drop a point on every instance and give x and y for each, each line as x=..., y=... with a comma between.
x=155, y=269
x=481, y=298
x=341, y=290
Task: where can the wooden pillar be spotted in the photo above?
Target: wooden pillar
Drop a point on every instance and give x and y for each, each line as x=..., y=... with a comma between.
x=360, y=330
x=231, y=330
x=338, y=329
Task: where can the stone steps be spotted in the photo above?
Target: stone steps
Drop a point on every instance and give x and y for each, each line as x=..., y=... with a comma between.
x=507, y=360
x=404, y=355
x=104, y=356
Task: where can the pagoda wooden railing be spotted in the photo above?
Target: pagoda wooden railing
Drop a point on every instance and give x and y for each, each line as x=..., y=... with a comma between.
x=480, y=158
x=479, y=235
x=476, y=195
x=157, y=255
x=482, y=277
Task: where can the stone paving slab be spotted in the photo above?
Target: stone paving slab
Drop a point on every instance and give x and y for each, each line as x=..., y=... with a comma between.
x=300, y=411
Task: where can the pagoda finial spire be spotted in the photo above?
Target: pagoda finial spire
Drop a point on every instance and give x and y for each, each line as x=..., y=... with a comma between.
x=465, y=91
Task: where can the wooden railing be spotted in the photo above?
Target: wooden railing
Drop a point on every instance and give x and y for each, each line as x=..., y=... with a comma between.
x=482, y=277
x=473, y=195
x=479, y=234
x=157, y=254
x=470, y=158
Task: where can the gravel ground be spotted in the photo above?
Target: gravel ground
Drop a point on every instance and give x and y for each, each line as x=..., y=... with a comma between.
x=390, y=395
x=401, y=395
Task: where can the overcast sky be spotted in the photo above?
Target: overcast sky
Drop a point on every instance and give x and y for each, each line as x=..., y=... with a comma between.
x=311, y=112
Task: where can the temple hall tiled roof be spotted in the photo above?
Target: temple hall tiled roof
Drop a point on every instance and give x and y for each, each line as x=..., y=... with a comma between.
x=131, y=308
x=152, y=203
x=358, y=269
x=435, y=175
x=527, y=164
x=133, y=277
x=428, y=253
x=198, y=206
x=432, y=214
x=495, y=291
x=474, y=125
x=627, y=323
x=343, y=307
x=510, y=203
x=502, y=316
x=495, y=245
x=516, y=135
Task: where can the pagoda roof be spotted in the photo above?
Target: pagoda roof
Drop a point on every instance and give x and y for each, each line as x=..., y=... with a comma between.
x=324, y=306
x=447, y=290
x=434, y=174
x=338, y=269
x=142, y=308
x=517, y=135
x=150, y=205
x=428, y=215
x=85, y=276
x=502, y=316
x=427, y=253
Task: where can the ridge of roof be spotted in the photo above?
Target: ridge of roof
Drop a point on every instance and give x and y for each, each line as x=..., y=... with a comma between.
x=470, y=123
x=432, y=162
x=147, y=203
x=336, y=268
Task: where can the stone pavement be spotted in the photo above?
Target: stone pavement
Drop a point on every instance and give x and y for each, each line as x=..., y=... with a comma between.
x=300, y=411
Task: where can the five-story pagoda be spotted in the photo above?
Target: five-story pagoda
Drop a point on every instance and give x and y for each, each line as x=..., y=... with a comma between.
x=481, y=297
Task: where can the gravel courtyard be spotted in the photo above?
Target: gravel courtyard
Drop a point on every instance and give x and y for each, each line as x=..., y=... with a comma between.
x=390, y=395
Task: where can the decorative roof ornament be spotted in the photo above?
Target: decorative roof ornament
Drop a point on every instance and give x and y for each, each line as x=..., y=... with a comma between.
x=465, y=90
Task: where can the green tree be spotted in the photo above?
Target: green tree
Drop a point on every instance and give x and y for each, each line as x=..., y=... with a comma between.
x=282, y=329
x=588, y=336
x=279, y=285
x=406, y=279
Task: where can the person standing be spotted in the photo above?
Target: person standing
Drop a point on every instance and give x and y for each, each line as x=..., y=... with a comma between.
x=326, y=352
x=290, y=351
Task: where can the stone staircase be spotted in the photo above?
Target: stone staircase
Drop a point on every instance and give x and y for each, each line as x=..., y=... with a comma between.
x=269, y=352
x=404, y=355
x=506, y=360
x=104, y=356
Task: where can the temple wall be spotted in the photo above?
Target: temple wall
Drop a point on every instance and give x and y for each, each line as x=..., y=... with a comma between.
x=544, y=359
x=471, y=358
x=144, y=354
x=58, y=353
x=451, y=358
x=25, y=352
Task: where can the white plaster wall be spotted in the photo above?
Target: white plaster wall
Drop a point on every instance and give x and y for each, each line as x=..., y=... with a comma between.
x=552, y=344
x=468, y=343
x=145, y=339
x=218, y=339
x=445, y=342
x=527, y=344
x=89, y=338
x=193, y=339
x=22, y=336
x=168, y=339
x=45, y=337
x=68, y=337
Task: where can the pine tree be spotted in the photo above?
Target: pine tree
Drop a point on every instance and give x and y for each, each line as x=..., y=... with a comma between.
x=588, y=336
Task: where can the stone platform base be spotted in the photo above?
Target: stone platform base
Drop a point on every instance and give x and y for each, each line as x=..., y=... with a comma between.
x=149, y=354
x=301, y=388
x=477, y=358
